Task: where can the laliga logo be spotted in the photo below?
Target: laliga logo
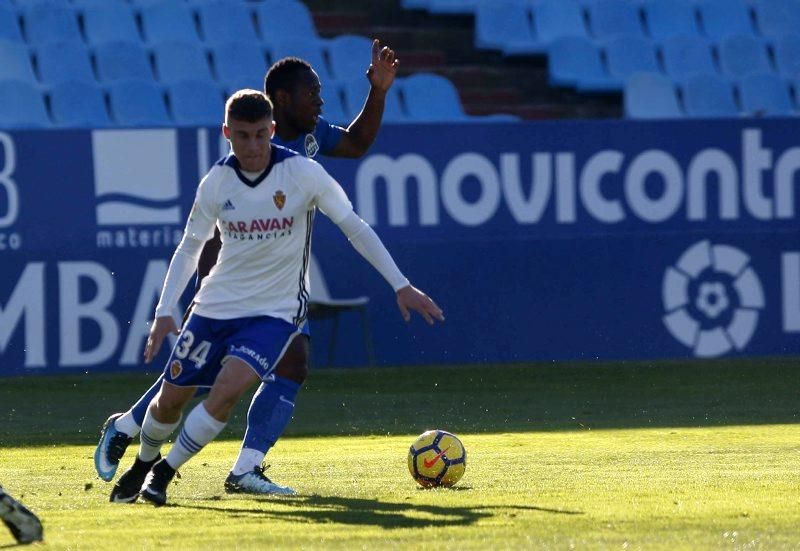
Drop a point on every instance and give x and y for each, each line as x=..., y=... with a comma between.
x=711, y=299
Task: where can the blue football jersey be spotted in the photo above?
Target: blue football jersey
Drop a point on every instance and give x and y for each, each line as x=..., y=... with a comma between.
x=326, y=136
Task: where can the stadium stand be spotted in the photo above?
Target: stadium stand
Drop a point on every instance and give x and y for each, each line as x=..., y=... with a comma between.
x=765, y=94
x=555, y=19
x=506, y=26
x=176, y=61
x=432, y=98
x=310, y=50
x=708, y=95
x=627, y=55
x=22, y=105
x=741, y=54
x=777, y=17
x=222, y=21
x=237, y=62
x=356, y=89
x=295, y=20
x=721, y=18
x=78, y=104
x=610, y=18
x=651, y=96
x=667, y=18
x=348, y=55
x=9, y=25
x=333, y=108
x=683, y=55
x=122, y=60
x=108, y=23
x=576, y=61
x=196, y=102
x=49, y=23
x=60, y=62
x=786, y=50
x=138, y=103
x=15, y=62
x=168, y=21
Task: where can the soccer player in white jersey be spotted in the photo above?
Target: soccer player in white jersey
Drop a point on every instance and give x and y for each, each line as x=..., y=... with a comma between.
x=251, y=310
x=294, y=88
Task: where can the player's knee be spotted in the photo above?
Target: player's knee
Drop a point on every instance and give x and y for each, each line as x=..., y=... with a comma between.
x=294, y=364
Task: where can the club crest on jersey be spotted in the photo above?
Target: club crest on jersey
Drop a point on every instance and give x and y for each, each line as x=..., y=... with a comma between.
x=279, y=199
x=175, y=369
x=311, y=145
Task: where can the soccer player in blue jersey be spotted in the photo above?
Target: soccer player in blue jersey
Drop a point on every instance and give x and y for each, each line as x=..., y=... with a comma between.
x=294, y=88
x=249, y=315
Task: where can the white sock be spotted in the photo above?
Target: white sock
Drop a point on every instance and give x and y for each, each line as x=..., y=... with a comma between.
x=248, y=460
x=153, y=436
x=126, y=424
x=198, y=430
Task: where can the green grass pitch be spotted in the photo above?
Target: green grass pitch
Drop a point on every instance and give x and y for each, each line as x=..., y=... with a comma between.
x=666, y=455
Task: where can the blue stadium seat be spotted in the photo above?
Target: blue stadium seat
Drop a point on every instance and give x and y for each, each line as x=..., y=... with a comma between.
x=777, y=17
x=122, y=61
x=333, y=109
x=651, y=96
x=176, y=61
x=506, y=25
x=787, y=55
x=741, y=54
x=630, y=54
x=452, y=6
x=765, y=94
x=169, y=21
x=310, y=50
x=47, y=23
x=196, y=103
x=708, y=96
x=610, y=18
x=22, y=106
x=223, y=21
x=15, y=62
x=415, y=4
x=721, y=18
x=81, y=5
x=138, y=103
x=9, y=26
x=110, y=23
x=554, y=19
x=573, y=60
x=26, y=4
x=431, y=98
x=284, y=18
x=684, y=55
x=349, y=55
x=63, y=62
x=79, y=104
x=356, y=90
x=237, y=63
x=670, y=17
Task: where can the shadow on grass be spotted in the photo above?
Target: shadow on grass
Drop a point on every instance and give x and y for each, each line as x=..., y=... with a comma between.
x=367, y=512
x=69, y=409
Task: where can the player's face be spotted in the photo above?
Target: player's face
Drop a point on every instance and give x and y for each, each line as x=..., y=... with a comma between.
x=305, y=103
x=250, y=142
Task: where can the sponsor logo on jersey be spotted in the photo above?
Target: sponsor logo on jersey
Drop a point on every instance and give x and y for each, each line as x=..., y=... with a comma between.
x=311, y=145
x=175, y=369
x=262, y=361
x=712, y=298
x=280, y=199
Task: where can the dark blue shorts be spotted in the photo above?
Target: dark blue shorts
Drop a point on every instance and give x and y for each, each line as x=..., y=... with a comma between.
x=205, y=344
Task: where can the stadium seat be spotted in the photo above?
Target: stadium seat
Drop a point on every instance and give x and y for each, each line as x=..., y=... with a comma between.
x=237, y=62
x=9, y=25
x=48, y=23
x=684, y=55
x=415, y=4
x=196, y=103
x=505, y=25
x=610, y=18
x=22, y=106
x=110, y=23
x=765, y=94
x=138, y=103
x=651, y=96
x=122, y=60
x=333, y=109
x=356, y=90
x=176, y=61
x=670, y=17
x=167, y=22
x=554, y=19
x=310, y=50
x=81, y=5
x=721, y=18
x=223, y=21
x=787, y=55
x=78, y=104
x=742, y=54
x=630, y=54
x=574, y=59
x=284, y=18
x=708, y=96
x=349, y=55
x=777, y=17
x=63, y=62
x=452, y=6
x=15, y=62
x=432, y=98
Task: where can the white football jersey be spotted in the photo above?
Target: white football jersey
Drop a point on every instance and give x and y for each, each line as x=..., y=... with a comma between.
x=266, y=226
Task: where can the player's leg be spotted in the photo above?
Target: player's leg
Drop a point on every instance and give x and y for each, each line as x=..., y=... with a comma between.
x=270, y=412
x=23, y=523
x=202, y=425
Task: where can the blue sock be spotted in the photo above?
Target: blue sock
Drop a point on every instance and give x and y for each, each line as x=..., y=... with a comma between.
x=269, y=413
x=139, y=409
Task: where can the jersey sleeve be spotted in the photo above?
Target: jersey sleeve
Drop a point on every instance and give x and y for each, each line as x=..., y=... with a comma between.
x=203, y=215
x=328, y=135
x=326, y=193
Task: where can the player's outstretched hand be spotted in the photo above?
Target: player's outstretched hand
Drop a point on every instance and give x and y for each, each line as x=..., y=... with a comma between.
x=383, y=68
x=411, y=298
x=162, y=327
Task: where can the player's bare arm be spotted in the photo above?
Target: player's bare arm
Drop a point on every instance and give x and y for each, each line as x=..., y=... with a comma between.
x=410, y=298
x=161, y=327
x=364, y=129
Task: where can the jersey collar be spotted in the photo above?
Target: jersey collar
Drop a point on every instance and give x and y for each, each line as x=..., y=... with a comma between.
x=233, y=162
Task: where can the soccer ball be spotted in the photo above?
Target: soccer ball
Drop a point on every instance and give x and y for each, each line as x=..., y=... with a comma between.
x=437, y=458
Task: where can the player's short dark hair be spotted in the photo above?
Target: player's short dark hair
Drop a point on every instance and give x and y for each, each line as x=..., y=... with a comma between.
x=248, y=106
x=283, y=74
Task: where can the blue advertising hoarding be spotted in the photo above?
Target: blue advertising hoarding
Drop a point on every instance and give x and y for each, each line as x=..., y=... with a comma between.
x=541, y=241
